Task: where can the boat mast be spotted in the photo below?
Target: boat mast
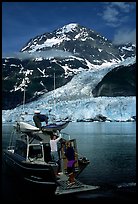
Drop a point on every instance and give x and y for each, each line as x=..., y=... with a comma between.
x=25, y=84
x=54, y=90
x=23, y=98
x=24, y=92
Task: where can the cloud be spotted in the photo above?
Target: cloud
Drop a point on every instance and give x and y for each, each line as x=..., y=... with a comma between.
x=44, y=54
x=117, y=13
x=122, y=6
x=125, y=35
x=120, y=16
x=110, y=15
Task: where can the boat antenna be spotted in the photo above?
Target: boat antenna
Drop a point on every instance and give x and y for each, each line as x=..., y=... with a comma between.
x=24, y=92
x=23, y=98
x=54, y=90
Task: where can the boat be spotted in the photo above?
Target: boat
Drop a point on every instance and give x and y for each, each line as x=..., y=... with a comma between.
x=55, y=126
x=25, y=127
x=29, y=157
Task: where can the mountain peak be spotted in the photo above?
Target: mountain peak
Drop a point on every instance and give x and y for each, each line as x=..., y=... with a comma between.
x=79, y=41
x=67, y=28
x=59, y=38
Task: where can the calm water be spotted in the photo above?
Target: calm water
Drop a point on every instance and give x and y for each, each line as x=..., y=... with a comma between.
x=111, y=149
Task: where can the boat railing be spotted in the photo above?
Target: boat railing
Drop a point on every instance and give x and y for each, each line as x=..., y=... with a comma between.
x=65, y=136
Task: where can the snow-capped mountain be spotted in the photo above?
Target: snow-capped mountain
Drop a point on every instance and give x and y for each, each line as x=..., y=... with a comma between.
x=81, y=42
x=86, y=65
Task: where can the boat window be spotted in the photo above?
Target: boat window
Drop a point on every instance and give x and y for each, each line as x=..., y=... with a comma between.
x=47, y=152
x=35, y=151
x=20, y=148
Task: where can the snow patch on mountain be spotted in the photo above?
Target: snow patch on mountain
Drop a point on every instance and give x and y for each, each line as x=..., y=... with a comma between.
x=67, y=28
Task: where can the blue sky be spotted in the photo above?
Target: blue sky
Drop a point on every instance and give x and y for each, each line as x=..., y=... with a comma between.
x=22, y=21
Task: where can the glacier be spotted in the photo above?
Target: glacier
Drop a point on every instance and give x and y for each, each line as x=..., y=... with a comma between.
x=75, y=100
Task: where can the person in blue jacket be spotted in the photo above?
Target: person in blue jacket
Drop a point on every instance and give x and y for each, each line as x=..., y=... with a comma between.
x=39, y=118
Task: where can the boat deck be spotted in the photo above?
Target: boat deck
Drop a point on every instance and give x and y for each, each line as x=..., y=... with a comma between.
x=65, y=188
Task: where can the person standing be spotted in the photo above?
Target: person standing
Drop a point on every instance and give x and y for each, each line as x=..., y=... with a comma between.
x=39, y=118
x=54, y=139
x=70, y=155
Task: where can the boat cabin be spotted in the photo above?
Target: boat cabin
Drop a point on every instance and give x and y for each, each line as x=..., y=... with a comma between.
x=33, y=151
x=34, y=147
